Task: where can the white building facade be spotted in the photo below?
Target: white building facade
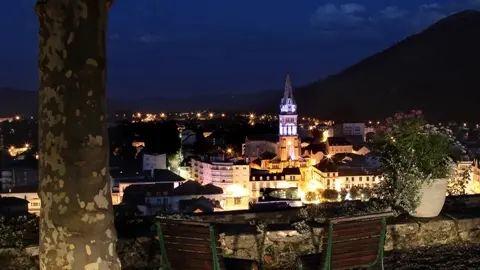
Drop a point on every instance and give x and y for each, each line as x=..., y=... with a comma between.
x=154, y=161
x=220, y=173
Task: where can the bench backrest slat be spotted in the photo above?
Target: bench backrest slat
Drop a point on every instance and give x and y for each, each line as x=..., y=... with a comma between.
x=354, y=243
x=189, y=245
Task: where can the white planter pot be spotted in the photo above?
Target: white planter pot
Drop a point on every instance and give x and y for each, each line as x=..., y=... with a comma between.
x=432, y=198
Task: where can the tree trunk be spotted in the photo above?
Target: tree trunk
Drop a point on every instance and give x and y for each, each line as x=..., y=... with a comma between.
x=76, y=221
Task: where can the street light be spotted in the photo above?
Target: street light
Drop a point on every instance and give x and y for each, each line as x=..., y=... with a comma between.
x=229, y=150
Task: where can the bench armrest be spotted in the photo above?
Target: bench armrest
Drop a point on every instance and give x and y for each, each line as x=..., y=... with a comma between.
x=240, y=264
x=310, y=261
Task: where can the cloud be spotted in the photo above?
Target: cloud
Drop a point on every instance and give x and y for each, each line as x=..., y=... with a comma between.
x=151, y=39
x=392, y=13
x=429, y=6
x=428, y=14
x=332, y=18
x=114, y=36
x=418, y=18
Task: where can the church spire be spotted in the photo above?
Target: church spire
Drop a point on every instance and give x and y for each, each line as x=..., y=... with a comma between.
x=288, y=92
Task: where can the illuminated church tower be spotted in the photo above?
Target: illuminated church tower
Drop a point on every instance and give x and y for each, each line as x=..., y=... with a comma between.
x=289, y=143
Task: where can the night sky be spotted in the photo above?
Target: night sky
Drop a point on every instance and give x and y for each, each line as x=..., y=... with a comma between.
x=189, y=47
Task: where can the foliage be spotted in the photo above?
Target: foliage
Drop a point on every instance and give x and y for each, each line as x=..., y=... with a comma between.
x=311, y=196
x=175, y=160
x=412, y=153
x=15, y=234
x=366, y=193
x=457, y=185
x=321, y=212
x=330, y=194
x=354, y=193
x=317, y=135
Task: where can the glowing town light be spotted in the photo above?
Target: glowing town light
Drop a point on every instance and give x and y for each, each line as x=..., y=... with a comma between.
x=17, y=117
x=210, y=115
x=252, y=115
x=338, y=185
x=162, y=115
x=370, y=122
x=464, y=124
x=378, y=122
x=198, y=115
x=139, y=115
x=229, y=150
x=310, y=127
x=313, y=185
x=223, y=115
x=236, y=191
x=329, y=156
x=27, y=145
x=325, y=136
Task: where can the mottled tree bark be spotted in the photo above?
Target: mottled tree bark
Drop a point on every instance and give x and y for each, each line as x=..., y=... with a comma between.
x=76, y=222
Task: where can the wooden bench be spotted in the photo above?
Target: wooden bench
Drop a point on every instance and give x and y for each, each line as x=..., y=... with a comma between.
x=188, y=245
x=352, y=242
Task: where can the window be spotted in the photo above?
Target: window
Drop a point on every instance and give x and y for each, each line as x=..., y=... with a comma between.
x=368, y=178
x=360, y=179
x=237, y=200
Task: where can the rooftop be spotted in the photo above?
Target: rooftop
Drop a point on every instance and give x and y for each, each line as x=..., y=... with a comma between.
x=23, y=189
x=263, y=137
x=338, y=141
x=195, y=188
x=9, y=201
x=291, y=171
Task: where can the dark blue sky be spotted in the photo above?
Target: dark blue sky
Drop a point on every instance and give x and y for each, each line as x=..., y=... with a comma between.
x=190, y=47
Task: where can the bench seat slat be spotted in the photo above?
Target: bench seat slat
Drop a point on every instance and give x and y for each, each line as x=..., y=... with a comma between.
x=354, y=262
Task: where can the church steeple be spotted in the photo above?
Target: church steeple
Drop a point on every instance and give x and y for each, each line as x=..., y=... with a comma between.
x=287, y=104
x=289, y=142
x=288, y=91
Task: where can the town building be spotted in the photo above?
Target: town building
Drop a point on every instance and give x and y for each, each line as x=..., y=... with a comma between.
x=220, y=171
x=262, y=179
x=338, y=145
x=123, y=178
x=17, y=177
x=349, y=129
x=189, y=197
x=330, y=175
x=29, y=193
x=154, y=161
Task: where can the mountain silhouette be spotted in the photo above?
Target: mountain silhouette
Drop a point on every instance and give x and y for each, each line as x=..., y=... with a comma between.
x=436, y=70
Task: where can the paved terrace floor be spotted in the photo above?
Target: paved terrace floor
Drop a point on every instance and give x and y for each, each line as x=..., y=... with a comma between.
x=462, y=256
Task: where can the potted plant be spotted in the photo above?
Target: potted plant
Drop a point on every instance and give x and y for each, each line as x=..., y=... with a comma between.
x=417, y=162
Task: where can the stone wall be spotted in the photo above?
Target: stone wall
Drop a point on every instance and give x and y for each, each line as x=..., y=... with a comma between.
x=278, y=248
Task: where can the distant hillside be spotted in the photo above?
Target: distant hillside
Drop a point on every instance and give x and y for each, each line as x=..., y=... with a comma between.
x=437, y=70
